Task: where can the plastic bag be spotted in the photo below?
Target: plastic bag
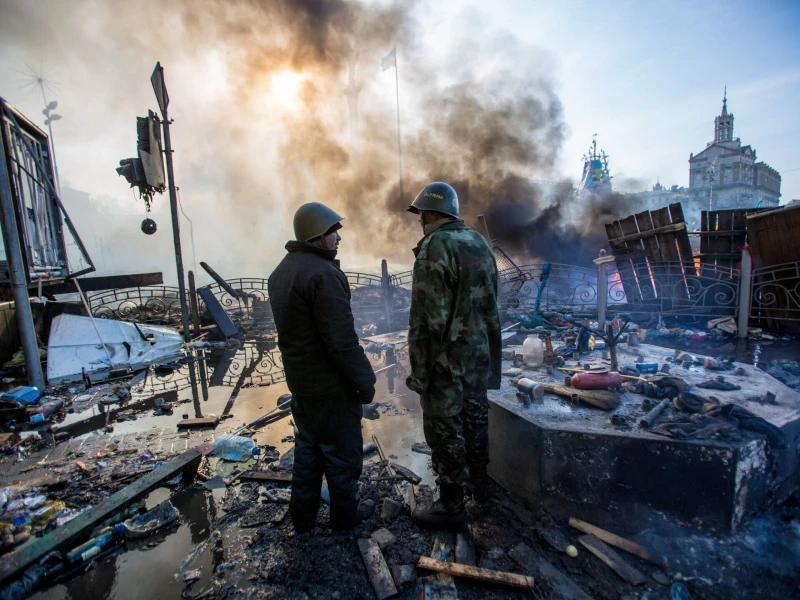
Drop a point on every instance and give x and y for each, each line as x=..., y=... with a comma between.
x=147, y=523
x=234, y=447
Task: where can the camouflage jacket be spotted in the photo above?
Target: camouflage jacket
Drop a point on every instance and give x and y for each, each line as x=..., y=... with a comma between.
x=454, y=328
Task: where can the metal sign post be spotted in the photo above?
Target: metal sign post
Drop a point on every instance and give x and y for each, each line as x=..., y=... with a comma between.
x=19, y=285
x=160, y=89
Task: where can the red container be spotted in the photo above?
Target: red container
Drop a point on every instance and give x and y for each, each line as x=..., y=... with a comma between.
x=597, y=381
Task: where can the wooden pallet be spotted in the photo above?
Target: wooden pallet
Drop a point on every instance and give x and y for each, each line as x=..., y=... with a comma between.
x=643, y=243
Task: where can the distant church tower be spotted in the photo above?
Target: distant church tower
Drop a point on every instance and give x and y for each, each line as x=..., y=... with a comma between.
x=726, y=175
x=723, y=124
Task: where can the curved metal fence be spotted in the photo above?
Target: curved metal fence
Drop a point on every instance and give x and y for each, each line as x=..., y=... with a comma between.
x=566, y=288
x=668, y=289
x=673, y=289
x=776, y=293
x=158, y=304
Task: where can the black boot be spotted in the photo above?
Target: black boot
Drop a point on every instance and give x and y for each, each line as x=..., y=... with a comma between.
x=364, y=511
x=446, y=513
x=479, y=484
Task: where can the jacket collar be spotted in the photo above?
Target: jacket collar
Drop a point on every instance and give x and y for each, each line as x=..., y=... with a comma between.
x=443, y=225
x=295, y=246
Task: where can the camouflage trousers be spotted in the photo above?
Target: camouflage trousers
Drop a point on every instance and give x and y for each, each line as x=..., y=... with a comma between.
x=455, y=419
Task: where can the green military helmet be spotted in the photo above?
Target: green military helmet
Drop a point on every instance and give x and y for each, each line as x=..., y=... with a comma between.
x=437, y=196
x=313, y=220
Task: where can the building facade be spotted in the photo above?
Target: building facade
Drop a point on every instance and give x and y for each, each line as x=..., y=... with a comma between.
x=726, y=174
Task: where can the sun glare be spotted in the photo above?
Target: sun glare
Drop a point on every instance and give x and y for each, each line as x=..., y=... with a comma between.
x=285, y=89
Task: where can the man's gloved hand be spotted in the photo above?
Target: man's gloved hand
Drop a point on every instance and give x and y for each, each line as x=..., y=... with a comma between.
x=366, y=396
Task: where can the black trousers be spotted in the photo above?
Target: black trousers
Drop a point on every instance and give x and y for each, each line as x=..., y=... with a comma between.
x=328, y=442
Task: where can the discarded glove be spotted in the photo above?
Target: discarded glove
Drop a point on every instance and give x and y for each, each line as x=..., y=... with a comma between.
x=719, y=383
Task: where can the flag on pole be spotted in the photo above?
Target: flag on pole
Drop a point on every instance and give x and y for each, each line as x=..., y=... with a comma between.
x=390, y=60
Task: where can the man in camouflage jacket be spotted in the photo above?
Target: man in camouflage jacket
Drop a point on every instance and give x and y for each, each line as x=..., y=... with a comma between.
x=455, y=351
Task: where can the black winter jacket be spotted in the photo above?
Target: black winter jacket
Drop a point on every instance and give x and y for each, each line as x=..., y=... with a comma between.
x=310, y=300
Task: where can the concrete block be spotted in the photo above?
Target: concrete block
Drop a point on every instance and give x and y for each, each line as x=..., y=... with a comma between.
x=383, y=537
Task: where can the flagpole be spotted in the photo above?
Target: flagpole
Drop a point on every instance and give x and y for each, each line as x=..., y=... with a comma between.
x=399, y=148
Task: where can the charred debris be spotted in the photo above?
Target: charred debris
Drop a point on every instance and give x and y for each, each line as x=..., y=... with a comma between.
x=639, y=448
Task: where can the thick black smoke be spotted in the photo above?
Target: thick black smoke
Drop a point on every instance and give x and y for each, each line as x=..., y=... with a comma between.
x=479, y=109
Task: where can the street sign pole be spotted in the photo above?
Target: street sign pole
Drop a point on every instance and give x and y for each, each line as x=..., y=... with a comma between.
x=160, y=89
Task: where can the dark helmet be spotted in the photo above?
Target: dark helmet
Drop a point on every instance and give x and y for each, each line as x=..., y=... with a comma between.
x=313, y=220
x=437, y=196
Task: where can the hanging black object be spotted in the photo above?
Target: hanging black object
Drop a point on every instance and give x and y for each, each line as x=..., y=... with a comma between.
x=149, y=226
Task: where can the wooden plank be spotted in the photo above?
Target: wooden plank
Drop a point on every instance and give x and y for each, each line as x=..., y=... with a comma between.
x=617, y=541
x=378, y=572
x=603, y=399
x=682, y=238
x=201, y=422
x=465, y=549
x=628, y=227
x=649, y=231
x=108, y=282
x=468, y=571
x=441, y=585
x=666, y=241
x=67, y=536
x=613, y=560
x=405, y=473
x=274, y=476
x=535, y=565
x=654, y=257
x=624, y=265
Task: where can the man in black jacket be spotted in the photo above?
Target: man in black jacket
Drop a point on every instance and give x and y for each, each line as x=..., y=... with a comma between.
x=326, y=369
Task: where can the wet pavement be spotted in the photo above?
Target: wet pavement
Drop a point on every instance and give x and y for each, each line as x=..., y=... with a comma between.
x=243, y=383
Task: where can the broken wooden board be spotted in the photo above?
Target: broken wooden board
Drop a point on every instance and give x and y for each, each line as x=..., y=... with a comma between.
x=15, y=563
x=468, y=571
x=264, y=513
x=613, y=560
x=407, y=474
x=441, y=586
x=378, y=572
x=537, y=566
x=602, y=399
x=465, y=549
x=617, y=541
x=201, y=422
x=275, y=476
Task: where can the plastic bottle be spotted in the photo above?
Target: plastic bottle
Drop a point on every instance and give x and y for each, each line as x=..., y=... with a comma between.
x=93, y=547
x=533, y=351
x=49, y=407
x=233, y=447
x=596, y=381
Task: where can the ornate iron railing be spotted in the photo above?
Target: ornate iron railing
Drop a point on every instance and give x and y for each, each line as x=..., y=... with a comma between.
x=776, y=293
x=153, y=304
x=673, y=289
x=567, y=288
x=254, y=364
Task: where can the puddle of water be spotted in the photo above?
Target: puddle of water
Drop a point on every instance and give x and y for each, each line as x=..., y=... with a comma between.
x=252, y=375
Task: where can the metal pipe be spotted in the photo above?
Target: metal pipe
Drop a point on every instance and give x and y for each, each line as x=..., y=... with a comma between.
x=193, y=302
x=19, y=282
x=386, y=293
x=745, y=292
x=176, y=228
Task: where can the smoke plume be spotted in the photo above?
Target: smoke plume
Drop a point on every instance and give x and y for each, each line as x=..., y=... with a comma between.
x=259, y=93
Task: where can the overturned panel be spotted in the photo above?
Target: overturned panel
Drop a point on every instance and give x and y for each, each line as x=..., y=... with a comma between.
x=573, y=460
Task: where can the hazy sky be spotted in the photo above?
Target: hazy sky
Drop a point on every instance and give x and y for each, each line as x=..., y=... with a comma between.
x=647, y=77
